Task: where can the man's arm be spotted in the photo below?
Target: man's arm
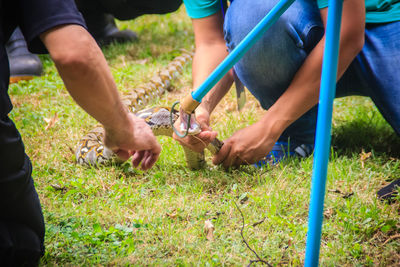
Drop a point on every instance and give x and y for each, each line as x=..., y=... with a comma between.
x=252, y=143
x=211, y=50
x=88, y=79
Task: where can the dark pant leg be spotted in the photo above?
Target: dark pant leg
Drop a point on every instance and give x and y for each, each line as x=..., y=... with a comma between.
x=125, y=10
x=19, y=245
x=21, y=219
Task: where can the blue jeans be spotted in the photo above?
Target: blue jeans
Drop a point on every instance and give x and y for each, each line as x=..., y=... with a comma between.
x=269, y=66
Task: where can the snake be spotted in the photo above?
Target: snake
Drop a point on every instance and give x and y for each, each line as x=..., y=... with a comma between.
x=91, y=149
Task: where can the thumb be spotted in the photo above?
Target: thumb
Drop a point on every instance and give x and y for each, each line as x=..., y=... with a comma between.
x=207, y=136
x=222, y=154
x=122, y=154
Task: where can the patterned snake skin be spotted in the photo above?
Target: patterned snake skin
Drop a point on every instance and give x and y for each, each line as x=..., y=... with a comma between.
x=91, y=149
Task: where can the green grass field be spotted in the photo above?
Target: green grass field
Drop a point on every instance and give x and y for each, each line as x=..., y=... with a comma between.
x=117, y=215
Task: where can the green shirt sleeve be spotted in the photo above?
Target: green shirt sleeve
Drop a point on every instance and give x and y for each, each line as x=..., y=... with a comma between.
x=322, y=3
x=377, y=11
x=201, y=8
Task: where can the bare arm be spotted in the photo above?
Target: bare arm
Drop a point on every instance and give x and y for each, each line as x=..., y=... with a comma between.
x=210, y=51
x=88, y=79
x=303, y=92
x=252, y=143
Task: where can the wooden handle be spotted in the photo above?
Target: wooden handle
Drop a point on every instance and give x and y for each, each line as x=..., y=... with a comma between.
x=188, y=104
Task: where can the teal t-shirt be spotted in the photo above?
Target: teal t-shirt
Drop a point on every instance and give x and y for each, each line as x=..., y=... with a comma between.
x=202, y=8
x=377, y=11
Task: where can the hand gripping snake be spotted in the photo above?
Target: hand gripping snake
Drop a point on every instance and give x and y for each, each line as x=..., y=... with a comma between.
x=91, y=149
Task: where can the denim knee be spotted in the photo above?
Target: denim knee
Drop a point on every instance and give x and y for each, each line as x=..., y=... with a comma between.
x=269, y=66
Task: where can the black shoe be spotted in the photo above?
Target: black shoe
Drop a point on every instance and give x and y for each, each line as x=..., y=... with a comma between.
x=390, y=191
x=104, y=30
x=23, y=64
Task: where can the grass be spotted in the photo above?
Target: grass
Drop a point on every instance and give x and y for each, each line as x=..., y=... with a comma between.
x=121, y=216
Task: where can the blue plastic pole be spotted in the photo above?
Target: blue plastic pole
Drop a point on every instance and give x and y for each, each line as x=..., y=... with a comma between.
x=323, y=134
x=241, y=49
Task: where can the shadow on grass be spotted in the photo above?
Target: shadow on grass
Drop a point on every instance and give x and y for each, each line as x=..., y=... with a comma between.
x=357, y=135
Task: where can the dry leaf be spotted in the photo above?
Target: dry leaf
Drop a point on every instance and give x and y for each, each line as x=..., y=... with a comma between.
x=71, y=149
x=328, y=213
x=259, y=222
x=141, y=61
x=391, y=238
x=58, y=187
x=209, y=230
x=123, y=61
x=172, y=215
x=344, y=195
x=51, y=121
x=103, y=185
x=364, y=156
x=335, y=191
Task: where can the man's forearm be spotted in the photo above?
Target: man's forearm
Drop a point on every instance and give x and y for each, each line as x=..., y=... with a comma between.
x=303, y=92
x=206, y=59
x=211, y=50
x=85, y=73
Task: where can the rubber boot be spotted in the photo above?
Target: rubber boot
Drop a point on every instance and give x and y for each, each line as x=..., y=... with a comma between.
x=102, y=25
x=23, y=64
x=105, y=31
x=389, y=192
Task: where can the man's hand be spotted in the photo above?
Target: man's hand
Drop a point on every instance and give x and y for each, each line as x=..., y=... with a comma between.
x=246, y=146
x=135, y=138
x=210, y=51
x=88, y=79
x=200, y=141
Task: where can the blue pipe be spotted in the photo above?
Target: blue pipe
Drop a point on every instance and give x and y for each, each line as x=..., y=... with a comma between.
x=236, y=54
x=323, y=134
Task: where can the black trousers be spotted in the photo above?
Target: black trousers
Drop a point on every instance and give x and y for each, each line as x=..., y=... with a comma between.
x=21, y=219
x=127, y=9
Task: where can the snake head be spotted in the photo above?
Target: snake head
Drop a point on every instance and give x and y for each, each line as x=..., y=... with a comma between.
x=194, y=127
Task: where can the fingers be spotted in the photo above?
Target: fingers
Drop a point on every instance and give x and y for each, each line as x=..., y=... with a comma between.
x=200, y=141
x=122, y=154
x=231, y=156
x=156, y=149
x=238, y=161
x=137, y=140
x=222, y=154
x=137, y=158
x=145, y=158
x=207, y=136
x=197, y=142
x=150, y=157
x=149, y=160
x=231, y=160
